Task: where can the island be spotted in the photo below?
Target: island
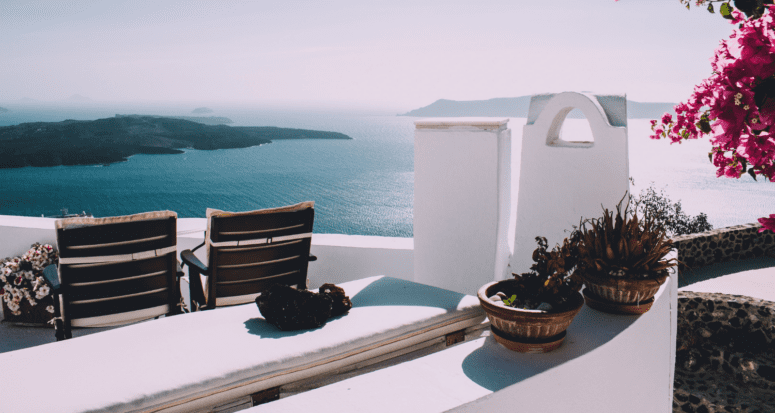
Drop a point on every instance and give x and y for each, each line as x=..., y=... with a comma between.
x=3, y=110
x=199, y=111
x=518, y=108
x=207, y=120
x=109, y=140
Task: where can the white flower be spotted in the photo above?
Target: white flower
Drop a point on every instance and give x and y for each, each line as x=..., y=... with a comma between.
x=13, y=305
x=42, y=292
x=50, y=309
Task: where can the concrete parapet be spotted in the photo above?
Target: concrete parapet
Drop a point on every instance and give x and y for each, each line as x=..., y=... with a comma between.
x=562, y=181
x=462, y=198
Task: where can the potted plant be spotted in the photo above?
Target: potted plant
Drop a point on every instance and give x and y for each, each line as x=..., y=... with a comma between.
x=531, y=312
x=26, y=298
x=622, y=261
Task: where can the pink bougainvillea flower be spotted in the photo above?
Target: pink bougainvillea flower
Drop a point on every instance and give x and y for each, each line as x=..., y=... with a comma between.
x=723, y=106
x=767, y=223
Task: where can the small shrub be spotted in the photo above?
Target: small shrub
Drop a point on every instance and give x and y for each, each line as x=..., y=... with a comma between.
x=667, y=214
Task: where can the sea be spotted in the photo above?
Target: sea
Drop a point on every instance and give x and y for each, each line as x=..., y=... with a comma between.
x=362, y=186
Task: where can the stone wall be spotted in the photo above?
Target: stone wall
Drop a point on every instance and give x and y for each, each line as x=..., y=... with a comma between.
x=724, y=354
x=724, y=244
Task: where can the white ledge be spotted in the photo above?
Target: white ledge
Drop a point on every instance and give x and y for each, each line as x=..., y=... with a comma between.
x=464, y=123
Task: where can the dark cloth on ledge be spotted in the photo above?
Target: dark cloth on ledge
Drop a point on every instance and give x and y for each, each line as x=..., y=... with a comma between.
x=290, y=309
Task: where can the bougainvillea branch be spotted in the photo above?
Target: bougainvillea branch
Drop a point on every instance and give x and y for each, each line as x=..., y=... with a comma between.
x=735, y=106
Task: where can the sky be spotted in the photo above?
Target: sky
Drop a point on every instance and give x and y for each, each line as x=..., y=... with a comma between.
x=382, y=54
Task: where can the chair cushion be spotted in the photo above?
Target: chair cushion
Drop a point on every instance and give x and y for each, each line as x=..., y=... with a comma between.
x=228, y=353
x=89, y=221
x=218, y=213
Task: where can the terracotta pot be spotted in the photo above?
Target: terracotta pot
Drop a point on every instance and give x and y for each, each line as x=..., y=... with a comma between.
x=30, y=315
x=619, y=295
x=527, y=330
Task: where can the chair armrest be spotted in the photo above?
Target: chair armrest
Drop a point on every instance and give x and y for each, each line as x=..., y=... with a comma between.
x=51, y=275
x=192, y=261
x=312, y=258
x=200, y=245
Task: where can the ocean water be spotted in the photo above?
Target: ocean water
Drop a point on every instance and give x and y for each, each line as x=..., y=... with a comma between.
x=362, y=186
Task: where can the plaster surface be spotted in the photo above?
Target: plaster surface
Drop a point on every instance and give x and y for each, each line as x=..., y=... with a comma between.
x=562, y=181
x=462, y=194
x=594, y=368
x=752, y=278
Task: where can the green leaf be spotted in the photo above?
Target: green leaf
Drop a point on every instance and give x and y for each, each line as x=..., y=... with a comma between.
x=726, y=11
x=710, y=8
x=509, y=301
x=751, y=172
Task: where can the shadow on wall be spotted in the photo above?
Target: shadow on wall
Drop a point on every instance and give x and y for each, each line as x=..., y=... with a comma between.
x=495, y=368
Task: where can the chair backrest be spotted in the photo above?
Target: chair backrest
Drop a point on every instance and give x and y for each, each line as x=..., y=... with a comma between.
x=247, y=252
x=117, y=270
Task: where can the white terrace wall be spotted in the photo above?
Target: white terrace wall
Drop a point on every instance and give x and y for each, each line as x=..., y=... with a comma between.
x=562, y=181
x=462, y=198
x=340, y=257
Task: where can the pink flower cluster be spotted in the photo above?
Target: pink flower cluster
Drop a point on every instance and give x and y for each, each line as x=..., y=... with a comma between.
x=724, y=105
x=767, y=223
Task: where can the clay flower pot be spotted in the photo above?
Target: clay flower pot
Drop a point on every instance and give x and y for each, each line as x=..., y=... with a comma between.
x=527, y=331
x=619, y=295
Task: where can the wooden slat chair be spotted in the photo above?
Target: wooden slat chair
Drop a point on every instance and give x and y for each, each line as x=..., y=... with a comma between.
x=114, y=271
x=247, y=252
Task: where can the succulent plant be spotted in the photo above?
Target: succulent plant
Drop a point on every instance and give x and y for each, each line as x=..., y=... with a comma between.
x=552, y=278
x=624, y=245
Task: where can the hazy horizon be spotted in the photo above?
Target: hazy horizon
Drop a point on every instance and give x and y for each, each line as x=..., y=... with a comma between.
x=396, y=55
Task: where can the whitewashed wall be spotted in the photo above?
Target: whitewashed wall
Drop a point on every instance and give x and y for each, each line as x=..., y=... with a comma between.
x=462, y=198
x=562, y=181
x=341, y=258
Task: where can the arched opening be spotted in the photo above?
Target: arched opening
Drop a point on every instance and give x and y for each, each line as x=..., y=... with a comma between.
x=575, y=130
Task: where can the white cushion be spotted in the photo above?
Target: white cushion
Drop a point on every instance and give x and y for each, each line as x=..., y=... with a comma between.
x=183, y=359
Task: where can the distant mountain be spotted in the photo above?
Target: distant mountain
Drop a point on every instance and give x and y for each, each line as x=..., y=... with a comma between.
x=3, y=110
x=205, y=120
x=27, y=100
x=78, y=98
x=518, y=108
x=109, y=140
x=199, y=111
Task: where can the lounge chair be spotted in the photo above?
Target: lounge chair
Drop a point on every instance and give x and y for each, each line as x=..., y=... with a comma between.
x=114, y=271
x=247, y=252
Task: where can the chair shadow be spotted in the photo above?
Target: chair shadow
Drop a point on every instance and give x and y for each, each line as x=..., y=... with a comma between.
x=388, y=291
